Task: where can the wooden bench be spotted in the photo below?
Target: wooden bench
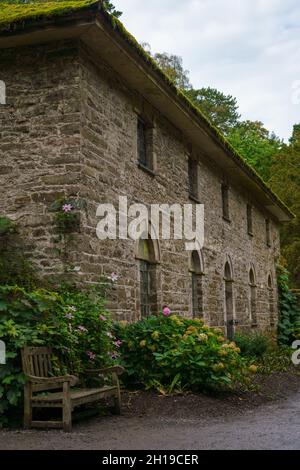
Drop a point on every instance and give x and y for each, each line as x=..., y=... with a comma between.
x=38, y=371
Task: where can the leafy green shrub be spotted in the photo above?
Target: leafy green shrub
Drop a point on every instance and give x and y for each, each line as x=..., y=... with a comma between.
x=275, y=360
x=176, y=353
x=252, y=346
x=14, y=264
x=7, y=226
x=289, y=311
x=67, y=214
x=75, y=324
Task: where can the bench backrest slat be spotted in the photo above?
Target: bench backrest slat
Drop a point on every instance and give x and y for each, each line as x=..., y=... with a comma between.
x=36, y=361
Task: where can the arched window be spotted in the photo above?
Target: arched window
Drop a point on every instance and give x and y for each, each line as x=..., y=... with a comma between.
x=271, y=300
x=196, y=269
x=229, y=306
x=147, y=274
x=252, y=299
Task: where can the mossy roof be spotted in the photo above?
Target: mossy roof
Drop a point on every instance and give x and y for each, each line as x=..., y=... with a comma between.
x=12, y=15
x=18, y=13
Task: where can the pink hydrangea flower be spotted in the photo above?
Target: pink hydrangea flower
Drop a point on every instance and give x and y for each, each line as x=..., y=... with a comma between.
x=67, y=208
x=102, y=318
x=166, y=311
x=118, y=343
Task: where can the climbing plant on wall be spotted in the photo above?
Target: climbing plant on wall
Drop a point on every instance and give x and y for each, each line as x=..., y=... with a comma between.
x=289, y=311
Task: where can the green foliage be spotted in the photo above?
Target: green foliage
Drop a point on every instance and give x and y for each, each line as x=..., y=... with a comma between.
x=172, y=66
x=7, y=226
x=285, y=180
x=170, y=353
x=289, y=311
x=67, y=216
x=256, y=145
x=14, y=264
x=75, y=324
x=221, y=109
x=268, y=356
x=252, y=346
x=109, y=7
x=275, y=360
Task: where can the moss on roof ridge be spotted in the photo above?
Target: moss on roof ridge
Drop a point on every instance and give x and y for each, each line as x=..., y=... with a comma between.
x=17, y=13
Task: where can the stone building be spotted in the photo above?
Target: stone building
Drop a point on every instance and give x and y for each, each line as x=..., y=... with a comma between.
x=89, y=117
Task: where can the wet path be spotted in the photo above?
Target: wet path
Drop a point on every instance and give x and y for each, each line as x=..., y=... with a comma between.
x=273, y=426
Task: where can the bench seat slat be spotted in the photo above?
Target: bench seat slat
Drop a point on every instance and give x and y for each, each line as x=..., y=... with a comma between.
x=75, y=395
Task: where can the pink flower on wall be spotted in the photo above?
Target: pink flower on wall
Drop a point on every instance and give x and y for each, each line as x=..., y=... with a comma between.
x=114, y=277
x=166, y=311
x=67, y=208
x=102, y=318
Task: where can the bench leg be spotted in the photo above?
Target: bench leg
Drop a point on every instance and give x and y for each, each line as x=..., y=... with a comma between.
x=67, y=420
x=27, y=406
x=117, y=399
x=67, y=409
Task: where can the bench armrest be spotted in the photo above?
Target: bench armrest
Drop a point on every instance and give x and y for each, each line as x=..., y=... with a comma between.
x=108, y=370
x=53, y=380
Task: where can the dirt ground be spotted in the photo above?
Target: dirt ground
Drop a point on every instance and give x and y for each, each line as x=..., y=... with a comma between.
x=265, y=419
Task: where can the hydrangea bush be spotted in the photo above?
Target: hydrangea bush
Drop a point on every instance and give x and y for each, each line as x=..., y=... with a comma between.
x=170, y=352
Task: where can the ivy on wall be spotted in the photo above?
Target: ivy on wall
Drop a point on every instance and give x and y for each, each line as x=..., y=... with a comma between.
x=289, y=311
x=15, y=267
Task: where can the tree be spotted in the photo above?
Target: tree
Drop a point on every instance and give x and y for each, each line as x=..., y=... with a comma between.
x=172, y=65
x=285, y=181
x=221, y=109
x=110, y=8
x=256, y=144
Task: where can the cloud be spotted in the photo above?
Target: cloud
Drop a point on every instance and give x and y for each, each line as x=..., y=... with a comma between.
x=248, y=48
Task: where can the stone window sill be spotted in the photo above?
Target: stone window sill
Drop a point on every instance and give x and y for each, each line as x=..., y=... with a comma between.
x=146, y=169
x=194, y=198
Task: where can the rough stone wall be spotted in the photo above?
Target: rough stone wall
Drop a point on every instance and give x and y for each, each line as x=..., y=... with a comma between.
x=109, y=117
x=39, y=142
x=69, y=129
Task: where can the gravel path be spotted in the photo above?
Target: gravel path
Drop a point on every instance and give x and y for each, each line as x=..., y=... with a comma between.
x=270, y=426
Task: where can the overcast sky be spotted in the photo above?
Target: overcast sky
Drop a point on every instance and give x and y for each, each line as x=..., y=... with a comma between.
x=247, y=48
